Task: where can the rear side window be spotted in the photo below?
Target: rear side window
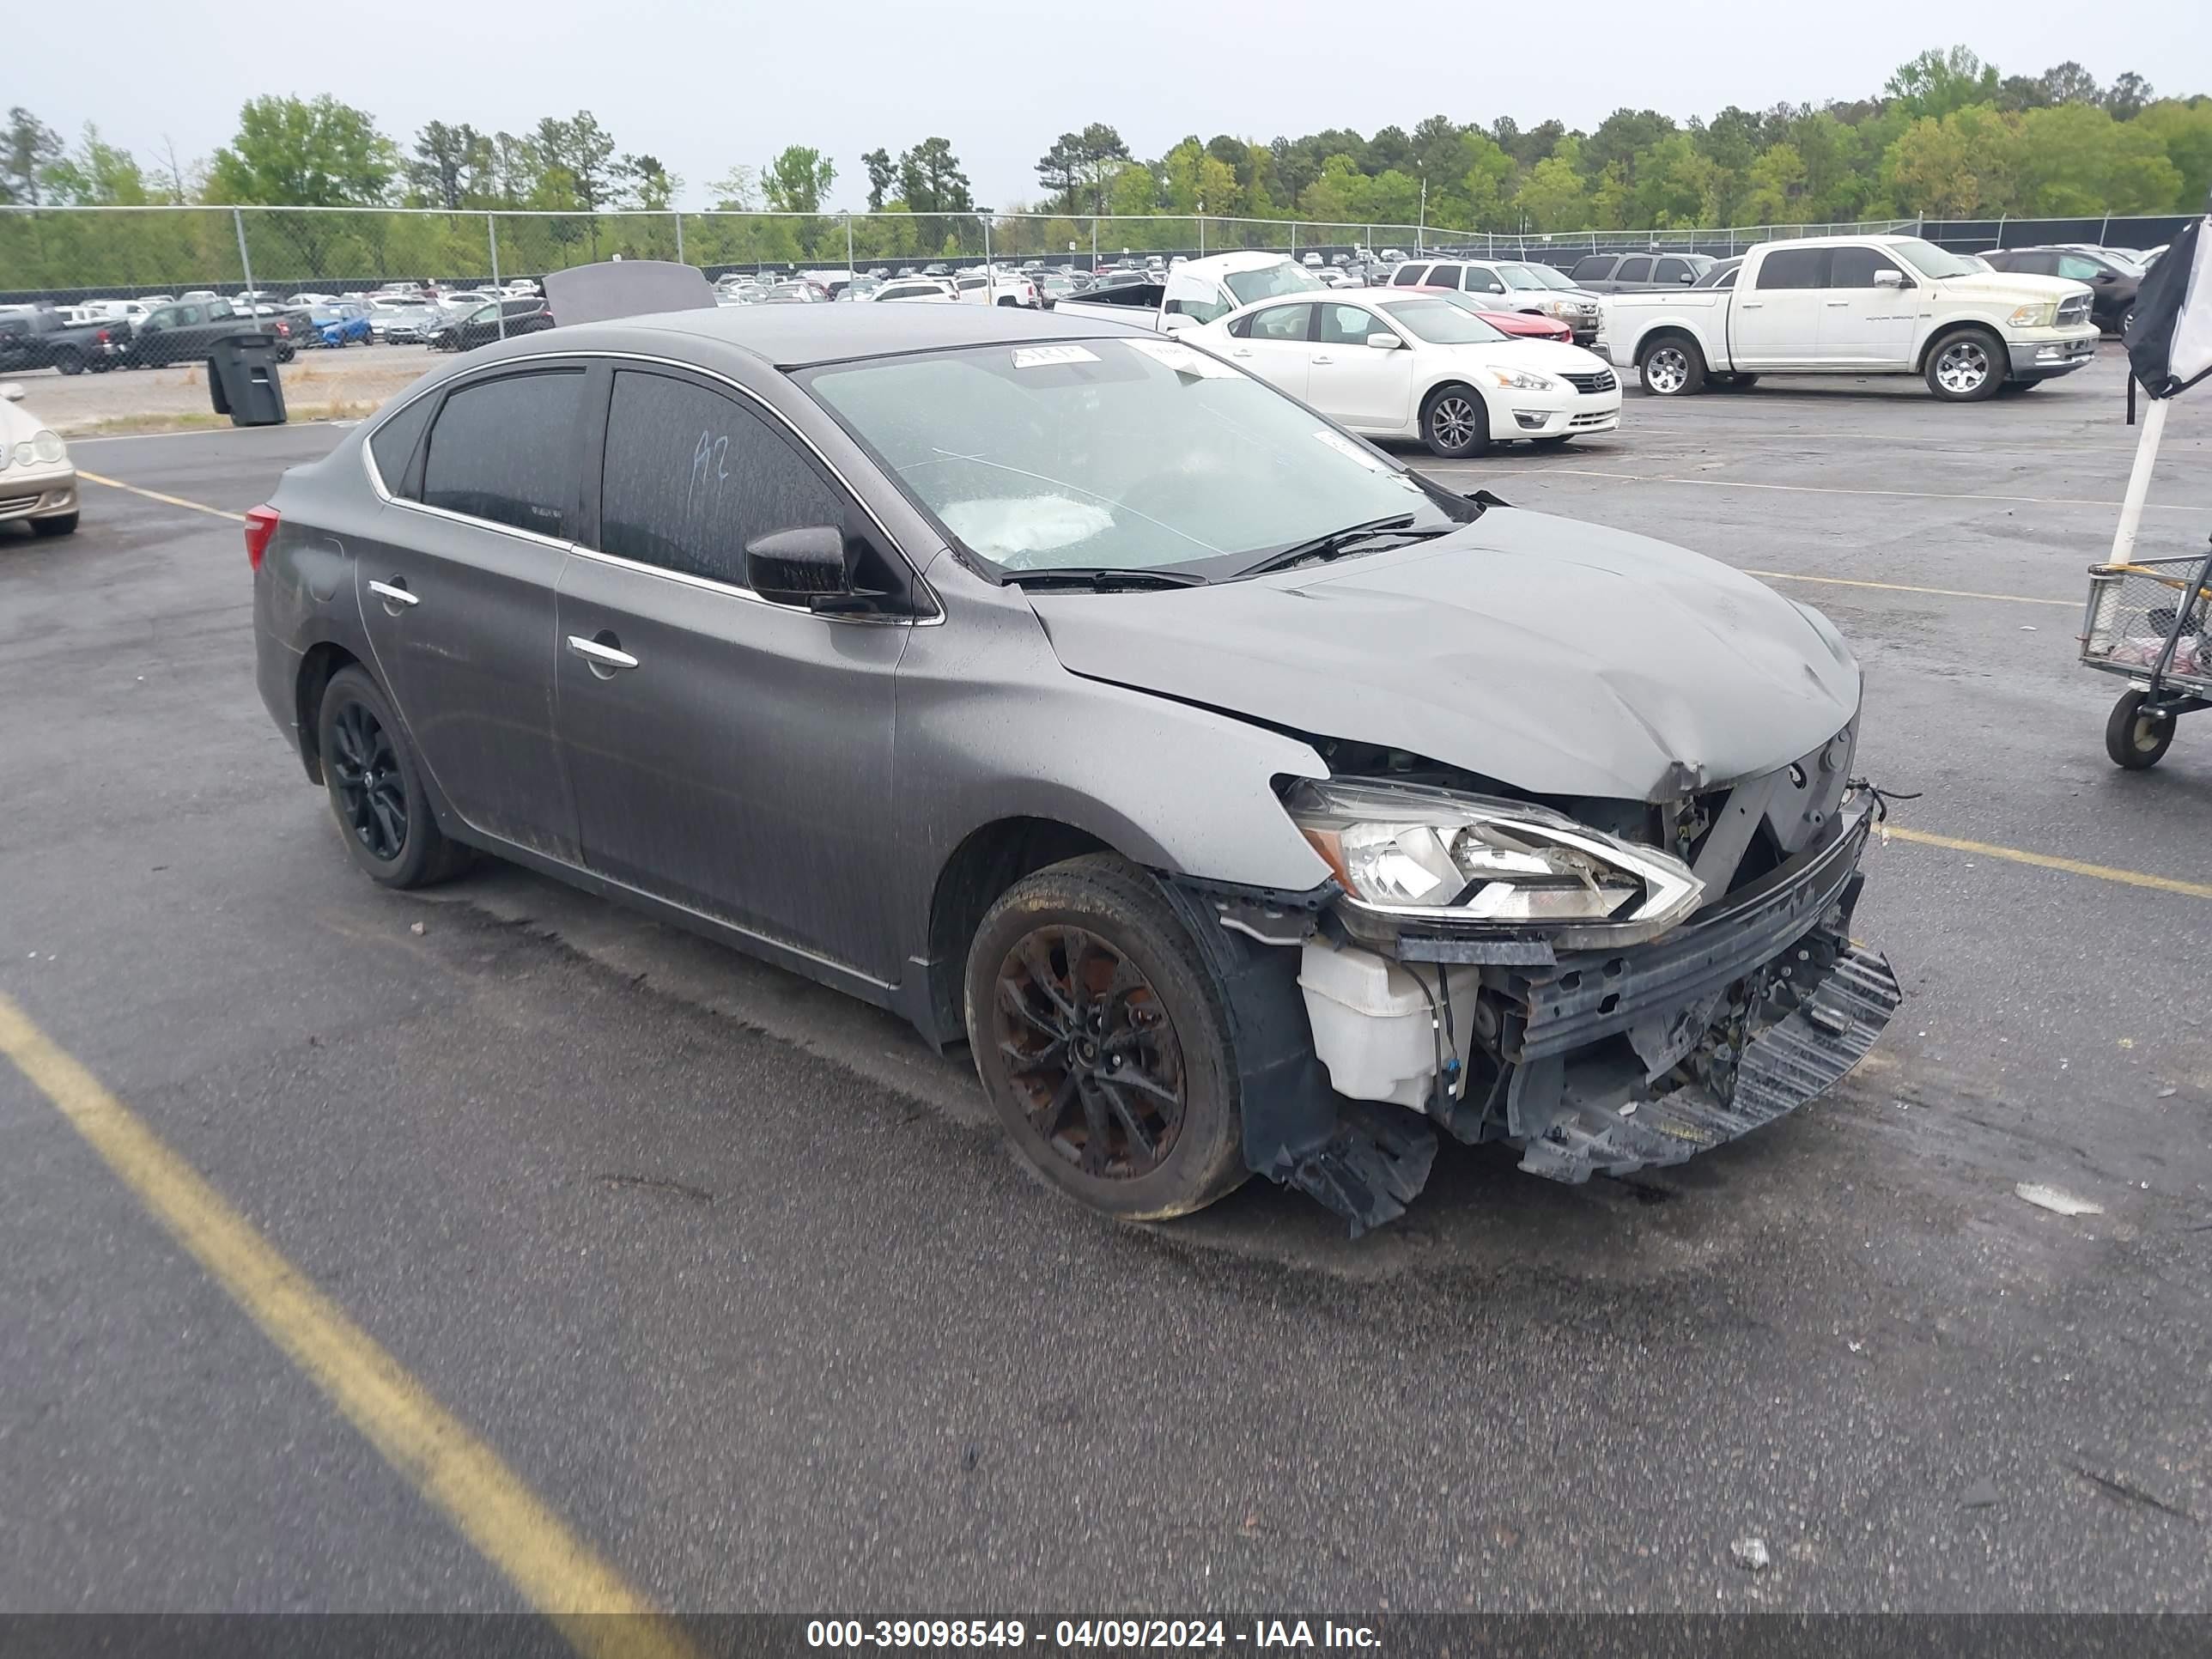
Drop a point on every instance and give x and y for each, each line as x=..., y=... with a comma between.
x=392, y=445
x=692, y=476
x=1794, y=267
x=1637, y=269
x=1595, y=269
x=506, y=450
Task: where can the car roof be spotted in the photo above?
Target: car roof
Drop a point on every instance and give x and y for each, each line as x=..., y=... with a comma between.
x=797, y=336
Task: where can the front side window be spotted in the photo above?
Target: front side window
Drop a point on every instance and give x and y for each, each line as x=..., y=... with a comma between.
x=2074, y=266
x=1481, y=279
x=505, y=450
x=1343, y=325
x=692, y=476
x=1854, y=267
x=1126, y=454
x=1673, y=270
x=1443, y=322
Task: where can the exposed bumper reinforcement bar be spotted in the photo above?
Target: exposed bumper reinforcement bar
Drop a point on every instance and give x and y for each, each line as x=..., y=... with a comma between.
x=1791, y=1062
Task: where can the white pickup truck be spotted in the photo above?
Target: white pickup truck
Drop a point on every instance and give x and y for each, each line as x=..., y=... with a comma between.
x=1195, y=292
x=1857, y=305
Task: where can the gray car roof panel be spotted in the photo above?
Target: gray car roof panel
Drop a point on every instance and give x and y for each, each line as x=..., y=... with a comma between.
x=798, y=337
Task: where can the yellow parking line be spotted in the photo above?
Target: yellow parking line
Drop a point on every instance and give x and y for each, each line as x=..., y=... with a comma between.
x=1903, y=587
x=2046, y=861
x=156, y=496
x=1833, y=490
x=556, y=1572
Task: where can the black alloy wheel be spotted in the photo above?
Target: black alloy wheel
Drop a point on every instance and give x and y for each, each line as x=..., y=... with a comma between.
x=1086, y=1039
x=375, y=785
x=366, y=784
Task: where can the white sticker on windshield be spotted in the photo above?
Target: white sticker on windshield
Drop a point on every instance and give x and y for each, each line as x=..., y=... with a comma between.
x=1044, y=356
x=1344, y=446
x=1185, y=360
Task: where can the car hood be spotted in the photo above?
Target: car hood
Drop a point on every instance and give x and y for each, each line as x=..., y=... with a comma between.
x=1538, y=356
x=1562, y=659
x=2015, y=285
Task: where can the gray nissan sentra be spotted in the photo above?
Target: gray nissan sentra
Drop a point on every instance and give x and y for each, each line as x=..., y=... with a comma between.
x=1247, y=801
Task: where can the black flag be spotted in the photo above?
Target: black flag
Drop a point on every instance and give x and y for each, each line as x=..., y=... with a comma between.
x=2170, y=347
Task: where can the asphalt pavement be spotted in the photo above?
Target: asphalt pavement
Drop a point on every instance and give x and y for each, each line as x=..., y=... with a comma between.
x=736, y=1276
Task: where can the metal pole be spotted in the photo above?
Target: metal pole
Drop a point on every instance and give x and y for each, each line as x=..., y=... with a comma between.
x=238, y=221
x=491, y=238
x=1201, y=230
x=2131, y=504
x=990, y=276
x=848, y=242
x=679, y=236
x=1094, y=242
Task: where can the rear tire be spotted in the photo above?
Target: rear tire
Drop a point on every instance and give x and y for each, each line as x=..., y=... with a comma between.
x=1455, y=422
x=1965, y=366
x=375, y=788
x=1671, y=366
x=70, y=361
x=1101, y=1034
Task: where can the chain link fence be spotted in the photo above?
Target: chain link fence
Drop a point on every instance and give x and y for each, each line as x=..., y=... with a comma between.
x=67, y=255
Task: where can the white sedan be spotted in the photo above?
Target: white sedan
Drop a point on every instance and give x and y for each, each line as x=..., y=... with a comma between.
x=1393, y=363
x=38, y=482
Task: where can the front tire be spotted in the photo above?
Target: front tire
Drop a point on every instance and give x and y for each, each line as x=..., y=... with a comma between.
x=1100, y=1035
x=1672, y=365
x=70, y=361
x=1455, y=423
x=375, y=788
x=2134, y=740
x=1965, y=366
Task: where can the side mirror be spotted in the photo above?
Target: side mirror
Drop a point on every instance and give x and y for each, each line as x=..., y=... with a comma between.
x=1688, y=277
x=1887, y=278
x=805, y=567
x=2103, y=276
x=1493, y=288
x=1382, y=340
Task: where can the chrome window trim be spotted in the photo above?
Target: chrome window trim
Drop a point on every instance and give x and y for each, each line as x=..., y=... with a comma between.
x=922, y=589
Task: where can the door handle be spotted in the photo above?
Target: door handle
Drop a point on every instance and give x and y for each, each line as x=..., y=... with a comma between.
x=1240, y=352
x=1321, y=360
x=395, y=595
x=1838, y=302
x=603, y=659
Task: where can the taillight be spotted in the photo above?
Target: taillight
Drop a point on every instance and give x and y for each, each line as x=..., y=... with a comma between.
x=260, y=525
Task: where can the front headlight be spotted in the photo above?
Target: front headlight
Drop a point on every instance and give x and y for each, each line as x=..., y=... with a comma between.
x=1519, y=379
x=2042, y=314
x=1501, y=864
x=1559, y=307
x=48, y=447
x=27, y=452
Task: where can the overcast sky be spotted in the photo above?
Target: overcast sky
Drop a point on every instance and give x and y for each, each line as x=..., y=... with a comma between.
x=703, y=86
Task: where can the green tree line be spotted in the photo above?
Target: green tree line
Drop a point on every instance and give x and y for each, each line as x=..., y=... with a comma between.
x=1947, y=135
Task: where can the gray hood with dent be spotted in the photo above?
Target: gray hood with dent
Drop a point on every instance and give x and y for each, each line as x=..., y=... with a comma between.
x=1559, y=657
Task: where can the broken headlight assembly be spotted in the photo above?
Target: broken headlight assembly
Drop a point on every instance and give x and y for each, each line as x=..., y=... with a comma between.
x=1410, y=854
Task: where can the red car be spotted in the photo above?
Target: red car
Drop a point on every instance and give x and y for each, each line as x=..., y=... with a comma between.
x=1522, y=325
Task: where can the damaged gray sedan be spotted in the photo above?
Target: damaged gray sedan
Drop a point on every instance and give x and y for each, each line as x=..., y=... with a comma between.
x=1248, y=803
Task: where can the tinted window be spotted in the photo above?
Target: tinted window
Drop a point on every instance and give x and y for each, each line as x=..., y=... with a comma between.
x=392, y=445
x=187, y=316
x=1281, y=323
x=1636, y=269
x=1408, y=275
x=2079, y=269
x=1854, y=267
x=1481, y=279
x=1349, y=326
x=1726, y=278
x=505, y=450
x=1795, y=267
x=1673, y=270
x=692, y=476
x=1595, y=269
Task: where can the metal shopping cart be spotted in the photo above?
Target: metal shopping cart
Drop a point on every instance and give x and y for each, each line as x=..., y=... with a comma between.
x=2150, y=621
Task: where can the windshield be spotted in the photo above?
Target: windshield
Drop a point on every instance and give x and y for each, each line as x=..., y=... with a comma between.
x=1268, y=281
x=1111, y=453
x=1521, y=276
x=1930, y=260
x=1441, y=321
x=1545, y=275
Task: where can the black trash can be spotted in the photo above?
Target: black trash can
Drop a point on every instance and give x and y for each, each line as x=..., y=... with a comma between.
x=242, y=380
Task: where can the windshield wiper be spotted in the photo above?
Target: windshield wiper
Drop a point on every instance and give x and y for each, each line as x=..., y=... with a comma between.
x=1103, y=579
x=1337, y=543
